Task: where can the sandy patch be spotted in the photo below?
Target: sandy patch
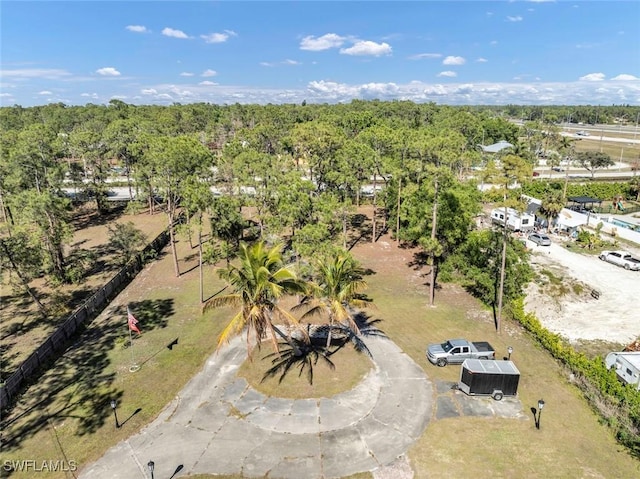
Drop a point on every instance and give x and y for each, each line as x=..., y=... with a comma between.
x=576, y=314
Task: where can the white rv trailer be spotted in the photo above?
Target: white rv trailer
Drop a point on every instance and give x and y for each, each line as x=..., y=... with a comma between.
x=515, y=220
x=626, y=365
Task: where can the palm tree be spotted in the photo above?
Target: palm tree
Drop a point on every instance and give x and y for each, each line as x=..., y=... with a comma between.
x=567, y=148
x=551, y=206
x=338, y=290
x=258, y=284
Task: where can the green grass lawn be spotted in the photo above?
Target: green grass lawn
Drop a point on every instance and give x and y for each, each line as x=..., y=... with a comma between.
x=66, y=412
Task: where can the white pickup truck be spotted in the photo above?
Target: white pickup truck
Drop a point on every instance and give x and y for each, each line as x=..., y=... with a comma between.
x=621, y=258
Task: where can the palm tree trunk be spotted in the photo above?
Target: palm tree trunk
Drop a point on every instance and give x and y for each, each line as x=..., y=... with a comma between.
x=398, y=211
x=174, y=251
x=373, y=235
x=294, y=346
x=344, y=227
x=24, y=282
x=329, y=333
x=432, y=285
x=502, y=268
x=200, y=261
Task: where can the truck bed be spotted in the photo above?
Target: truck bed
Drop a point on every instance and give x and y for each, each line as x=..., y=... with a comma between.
x=483, y=347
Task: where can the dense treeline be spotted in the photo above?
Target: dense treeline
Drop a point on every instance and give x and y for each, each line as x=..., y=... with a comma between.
x=303, y=168
x=584, y=114
x=298, y=165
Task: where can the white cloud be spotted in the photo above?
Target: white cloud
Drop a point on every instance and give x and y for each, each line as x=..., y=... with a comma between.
x=451, y=60
x=108, y=72
x=366, y=47
x=329, y=40
x=267, y=64
x=89, y=95
x=447, y=74
x=625, y=77
x=186, y=74
x=5, y=95
x=207, y=82
x=482, y=60
x=517, y=18
x=525, y=92
x=209, y=73
x=593, y=77
x=218, y=37
x=137, y=28
x=493, y=42
x=170, y=32
x=45, y=92
x=420, y=56
x=48, y=73
x=290, y=62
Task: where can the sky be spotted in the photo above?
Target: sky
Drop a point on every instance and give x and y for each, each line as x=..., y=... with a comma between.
x=447, y=52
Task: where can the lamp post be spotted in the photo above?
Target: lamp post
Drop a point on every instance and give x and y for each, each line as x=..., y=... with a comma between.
x=509, y=351
x=151, y=466
x=540, y=406
x=114, y=405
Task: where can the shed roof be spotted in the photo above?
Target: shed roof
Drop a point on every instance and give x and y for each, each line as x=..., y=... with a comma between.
x=496, y=147
x=571, y=219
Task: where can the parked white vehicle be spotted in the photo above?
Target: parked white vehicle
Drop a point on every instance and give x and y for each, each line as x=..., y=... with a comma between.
x=621, y=258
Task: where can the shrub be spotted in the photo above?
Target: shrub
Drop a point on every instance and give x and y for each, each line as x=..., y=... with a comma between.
x=617, y=403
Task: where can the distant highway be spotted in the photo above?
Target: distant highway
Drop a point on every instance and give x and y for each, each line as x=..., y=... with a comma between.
x=598, y=137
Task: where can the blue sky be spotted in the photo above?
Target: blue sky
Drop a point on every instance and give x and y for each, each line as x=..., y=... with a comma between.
x=447, y=52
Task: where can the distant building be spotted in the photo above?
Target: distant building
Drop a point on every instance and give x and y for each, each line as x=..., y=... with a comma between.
x=496, y=147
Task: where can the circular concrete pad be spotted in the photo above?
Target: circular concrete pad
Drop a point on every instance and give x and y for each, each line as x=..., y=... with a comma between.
x=219, y=425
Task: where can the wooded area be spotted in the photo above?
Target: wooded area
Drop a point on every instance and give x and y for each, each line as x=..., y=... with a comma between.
x=304, y=168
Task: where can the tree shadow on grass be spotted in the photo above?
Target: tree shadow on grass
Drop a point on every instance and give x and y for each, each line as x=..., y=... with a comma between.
x=419, y=261
x=80, y=385
x=303, y=354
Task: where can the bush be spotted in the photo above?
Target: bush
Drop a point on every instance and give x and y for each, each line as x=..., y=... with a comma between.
x=617, y=403
x=596, y=189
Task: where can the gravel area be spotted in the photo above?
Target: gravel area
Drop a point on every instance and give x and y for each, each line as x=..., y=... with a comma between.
x=576, y=314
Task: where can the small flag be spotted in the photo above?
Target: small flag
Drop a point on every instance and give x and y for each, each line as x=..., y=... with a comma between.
x=131, y=319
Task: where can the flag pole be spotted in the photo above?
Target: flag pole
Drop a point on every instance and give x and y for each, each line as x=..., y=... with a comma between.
x=134, y=366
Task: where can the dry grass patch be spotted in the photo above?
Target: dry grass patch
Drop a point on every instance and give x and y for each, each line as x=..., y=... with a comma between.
x=350, y=368
x=626, y=152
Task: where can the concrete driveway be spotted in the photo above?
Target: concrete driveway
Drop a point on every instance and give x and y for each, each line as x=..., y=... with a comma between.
x=220, y=425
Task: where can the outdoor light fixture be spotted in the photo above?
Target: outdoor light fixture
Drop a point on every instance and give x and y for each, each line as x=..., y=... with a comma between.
x=151, y=465
x=540, y=406
x=114, y=405
x=509, y=350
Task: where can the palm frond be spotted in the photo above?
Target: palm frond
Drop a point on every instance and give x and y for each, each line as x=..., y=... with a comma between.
x=232, y=329
x=219, y=301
